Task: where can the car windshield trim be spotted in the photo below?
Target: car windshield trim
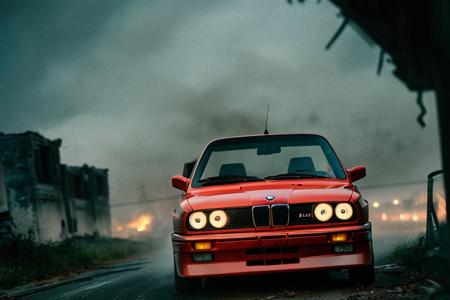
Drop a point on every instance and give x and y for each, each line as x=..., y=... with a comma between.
x=295, y=175
x=228, y=179
x=253, y=142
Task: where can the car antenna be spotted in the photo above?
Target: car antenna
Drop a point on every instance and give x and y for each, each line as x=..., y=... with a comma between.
x=267, y=120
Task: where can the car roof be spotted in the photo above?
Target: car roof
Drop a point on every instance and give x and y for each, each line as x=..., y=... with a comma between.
x=265, y=135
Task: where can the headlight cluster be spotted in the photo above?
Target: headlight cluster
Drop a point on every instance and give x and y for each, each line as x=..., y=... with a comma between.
x=324, y=211
x=217, y=218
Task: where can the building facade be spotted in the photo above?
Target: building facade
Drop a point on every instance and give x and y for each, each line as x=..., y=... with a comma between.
x=37, y=192
x=86, y=198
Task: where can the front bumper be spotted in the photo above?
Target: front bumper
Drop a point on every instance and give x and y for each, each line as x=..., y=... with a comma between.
x=273, y=251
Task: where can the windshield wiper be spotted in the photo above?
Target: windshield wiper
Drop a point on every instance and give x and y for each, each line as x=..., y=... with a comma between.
x=295, y=175
x=228, y=179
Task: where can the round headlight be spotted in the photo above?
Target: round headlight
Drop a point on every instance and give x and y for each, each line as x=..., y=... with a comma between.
x=323, y=212
x=197, y=220
x=344, y=211
x=218, y=218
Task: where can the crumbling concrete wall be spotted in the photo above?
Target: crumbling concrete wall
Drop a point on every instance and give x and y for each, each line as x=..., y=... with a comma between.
x=44, y=200
x=100, y=197
x=85, y=219
x=103, y=219
x=31, y=174
x=50, y=216
x=17, y=160
x=48, y=198
x=3, y=199
x=87, y=195
x=6, y=225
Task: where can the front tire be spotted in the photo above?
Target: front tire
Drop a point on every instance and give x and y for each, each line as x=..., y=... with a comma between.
x=363, y=275
x=183, y=285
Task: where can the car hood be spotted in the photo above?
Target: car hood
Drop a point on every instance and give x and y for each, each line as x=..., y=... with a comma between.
x=255, y=193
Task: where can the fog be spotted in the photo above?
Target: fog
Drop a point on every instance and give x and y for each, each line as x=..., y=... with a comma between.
x=140, y=87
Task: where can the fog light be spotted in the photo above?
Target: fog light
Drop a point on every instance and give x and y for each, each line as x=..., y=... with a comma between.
x=202, y=257
x=202, y=245
x=343, y=248
x=339, y=237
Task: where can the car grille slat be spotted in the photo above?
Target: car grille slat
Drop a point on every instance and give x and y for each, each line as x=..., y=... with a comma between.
x=261, y=216
x=280, y=214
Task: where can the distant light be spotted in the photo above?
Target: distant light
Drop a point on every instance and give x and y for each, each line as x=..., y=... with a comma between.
x=384, y=217
x=402, y=217
x=415, y=218
x=396, y=202
x=376, y=204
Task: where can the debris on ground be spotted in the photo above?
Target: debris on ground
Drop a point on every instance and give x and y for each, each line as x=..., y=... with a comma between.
x=390, y=268
x=396, y=290
x=283, y=294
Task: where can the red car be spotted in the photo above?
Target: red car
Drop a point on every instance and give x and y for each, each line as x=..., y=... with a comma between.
x=270, y=203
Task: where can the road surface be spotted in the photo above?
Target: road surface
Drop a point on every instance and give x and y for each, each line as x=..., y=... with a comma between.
x=154, y=280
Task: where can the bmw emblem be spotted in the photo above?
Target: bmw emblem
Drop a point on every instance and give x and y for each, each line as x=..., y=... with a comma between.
x=270, y=197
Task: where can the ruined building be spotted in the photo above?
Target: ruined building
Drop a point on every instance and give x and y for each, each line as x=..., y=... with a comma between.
x=86, y=200
x=44, y=200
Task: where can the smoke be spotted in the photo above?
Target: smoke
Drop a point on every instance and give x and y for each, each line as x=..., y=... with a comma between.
x=140, y=87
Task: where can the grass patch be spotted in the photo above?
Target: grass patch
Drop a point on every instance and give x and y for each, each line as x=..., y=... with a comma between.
x=413, y=254
x=24, y=261
x=409, y=253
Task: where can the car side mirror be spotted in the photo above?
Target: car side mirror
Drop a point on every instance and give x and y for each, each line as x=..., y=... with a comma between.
x=180, y=182
x=356, y=173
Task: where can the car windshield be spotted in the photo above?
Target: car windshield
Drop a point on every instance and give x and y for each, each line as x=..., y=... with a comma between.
x=268, y=157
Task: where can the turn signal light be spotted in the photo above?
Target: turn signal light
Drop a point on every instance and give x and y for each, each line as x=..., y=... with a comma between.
x=339, y=237
x=202, y=245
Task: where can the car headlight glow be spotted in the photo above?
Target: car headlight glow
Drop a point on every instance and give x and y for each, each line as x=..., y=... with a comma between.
x=343, y=211
x=197, y=220
x=323, y=212
x=218, y=219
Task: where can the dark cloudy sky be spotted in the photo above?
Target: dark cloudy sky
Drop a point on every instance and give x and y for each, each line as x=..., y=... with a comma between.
x=140, y=86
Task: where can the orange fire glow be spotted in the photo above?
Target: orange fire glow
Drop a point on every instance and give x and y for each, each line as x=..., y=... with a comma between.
x=441, y=207
x=141, y=223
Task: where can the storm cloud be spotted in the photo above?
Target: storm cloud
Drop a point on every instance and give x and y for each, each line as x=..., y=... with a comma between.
x=140, y=86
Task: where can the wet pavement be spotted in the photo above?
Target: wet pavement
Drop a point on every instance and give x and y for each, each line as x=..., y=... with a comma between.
x=154, y=280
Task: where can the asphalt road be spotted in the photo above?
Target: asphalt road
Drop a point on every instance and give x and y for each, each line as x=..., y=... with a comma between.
x=154, y=280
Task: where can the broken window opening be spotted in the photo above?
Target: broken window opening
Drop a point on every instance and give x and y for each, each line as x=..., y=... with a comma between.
x=78, y=186
x=74, y=225
x=101, y=186
x=43, y=165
